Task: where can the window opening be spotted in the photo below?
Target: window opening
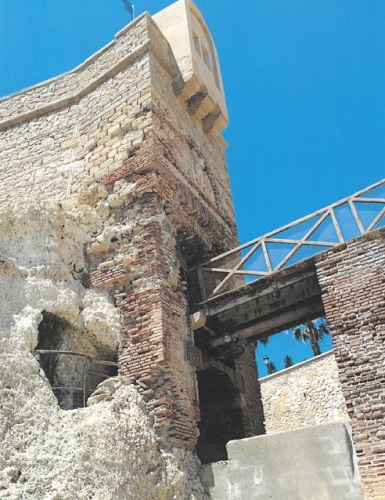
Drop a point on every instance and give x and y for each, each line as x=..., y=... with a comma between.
x=206, y=57
x=72, y=372
x=215, y=67
x=197, y=44
x=289, y=347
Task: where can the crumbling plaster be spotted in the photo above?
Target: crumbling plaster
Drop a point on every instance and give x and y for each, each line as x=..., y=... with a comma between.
x=108, y=450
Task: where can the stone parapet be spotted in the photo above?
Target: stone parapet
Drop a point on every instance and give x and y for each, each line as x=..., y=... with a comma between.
x=69, y=88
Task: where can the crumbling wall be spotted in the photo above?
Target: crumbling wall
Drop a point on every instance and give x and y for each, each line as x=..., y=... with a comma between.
x=153, y=154
x=108, y=450
x=135, y=260
x=303, y=395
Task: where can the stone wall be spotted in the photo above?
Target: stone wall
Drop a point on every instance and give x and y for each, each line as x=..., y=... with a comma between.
x=352, y=279
x=122, y=132
x=78, y=126
x=60, y=134
x=303, y=395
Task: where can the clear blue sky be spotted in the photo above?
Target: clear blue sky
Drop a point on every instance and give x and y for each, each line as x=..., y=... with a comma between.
x=304, y=80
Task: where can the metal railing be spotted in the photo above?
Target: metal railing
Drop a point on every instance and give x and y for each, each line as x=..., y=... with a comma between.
x=85, y=371
x=344, y=220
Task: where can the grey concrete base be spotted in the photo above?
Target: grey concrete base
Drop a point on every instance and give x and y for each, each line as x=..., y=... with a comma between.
x=315, y=463
x=215, y=479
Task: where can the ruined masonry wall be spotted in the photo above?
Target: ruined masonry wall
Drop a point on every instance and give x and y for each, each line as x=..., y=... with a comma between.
x=161, y=178
x=141, y=270
x=303, y=395
x=352, y=279
x=43, y=449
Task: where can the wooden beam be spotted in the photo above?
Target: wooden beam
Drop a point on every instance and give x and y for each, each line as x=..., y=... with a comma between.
x=283, y=321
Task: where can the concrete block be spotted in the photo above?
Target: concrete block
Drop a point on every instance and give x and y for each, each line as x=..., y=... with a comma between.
x=315, y=463
x=215, y=479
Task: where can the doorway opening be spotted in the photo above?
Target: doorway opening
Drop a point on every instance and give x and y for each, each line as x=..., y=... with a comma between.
x=221, y=415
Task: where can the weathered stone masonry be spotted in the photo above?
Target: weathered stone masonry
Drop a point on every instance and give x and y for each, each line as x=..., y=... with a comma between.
x=352, y=279
x=303, y=395
x=141, y=133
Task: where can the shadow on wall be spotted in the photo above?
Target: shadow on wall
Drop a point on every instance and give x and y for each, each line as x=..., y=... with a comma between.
x=221, y=415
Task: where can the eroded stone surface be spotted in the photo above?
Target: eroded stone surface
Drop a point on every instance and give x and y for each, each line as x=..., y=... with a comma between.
x=303, y=395
x=107, y=450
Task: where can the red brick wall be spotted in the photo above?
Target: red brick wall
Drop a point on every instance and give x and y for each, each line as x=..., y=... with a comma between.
x=352, y=279
x=179, y=211
x=163, y=214
x=141, y=271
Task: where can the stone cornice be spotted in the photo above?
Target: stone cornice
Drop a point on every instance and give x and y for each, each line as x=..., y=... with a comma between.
x=69, y=98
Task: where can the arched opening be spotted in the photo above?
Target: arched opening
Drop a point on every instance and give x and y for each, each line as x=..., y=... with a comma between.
x=73, y=362
x=221, y=415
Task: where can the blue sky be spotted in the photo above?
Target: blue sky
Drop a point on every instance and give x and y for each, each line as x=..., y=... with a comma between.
x=304, y=81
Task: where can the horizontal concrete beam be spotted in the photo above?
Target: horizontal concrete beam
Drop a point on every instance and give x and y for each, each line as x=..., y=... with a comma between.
x=269, y=305
x=281, y=320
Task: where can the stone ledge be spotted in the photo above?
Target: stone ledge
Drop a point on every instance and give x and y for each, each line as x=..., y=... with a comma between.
x=70, y=98
x=298, y=365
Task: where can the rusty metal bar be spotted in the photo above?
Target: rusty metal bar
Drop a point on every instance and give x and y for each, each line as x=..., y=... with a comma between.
x=56, y=351
x=66, y=388
x=87, y=360
x=74, y=353
x=102, y=363
x=84, y=380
